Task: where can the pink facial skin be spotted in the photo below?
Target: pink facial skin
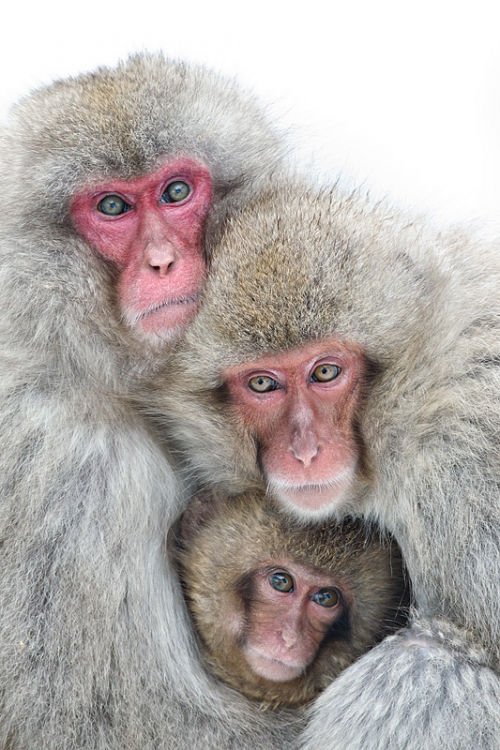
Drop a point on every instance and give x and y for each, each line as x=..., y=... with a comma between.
x=286, y=629
x=304, y=420
x=156, y=245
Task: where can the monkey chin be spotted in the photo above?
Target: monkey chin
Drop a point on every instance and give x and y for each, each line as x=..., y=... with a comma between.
x=163, y=324
x=271, y=669
x=316, y=502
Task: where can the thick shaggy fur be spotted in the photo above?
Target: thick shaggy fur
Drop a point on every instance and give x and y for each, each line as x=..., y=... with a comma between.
x=223, y=541
x=96, y=650
x=299, y=266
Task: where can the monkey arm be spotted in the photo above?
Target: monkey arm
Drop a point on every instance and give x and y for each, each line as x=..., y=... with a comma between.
x=425, y=688
x=70, y=509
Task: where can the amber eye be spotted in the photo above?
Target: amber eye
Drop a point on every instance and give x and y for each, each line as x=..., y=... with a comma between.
x=113, y=205
x=326, y=597
x=325, y=373
x=281, y=582
x=175, y=192
x=262, y=384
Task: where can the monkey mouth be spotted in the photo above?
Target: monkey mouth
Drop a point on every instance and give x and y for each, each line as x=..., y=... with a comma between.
x=313, y=498
x=165, y=321
x=270, y=668
x=134, y=319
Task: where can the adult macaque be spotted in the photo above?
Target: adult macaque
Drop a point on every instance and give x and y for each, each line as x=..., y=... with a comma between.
x=351, y=358
x=110, y=182
x=282, y=608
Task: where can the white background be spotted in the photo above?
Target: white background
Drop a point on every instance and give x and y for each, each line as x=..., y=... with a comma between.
x=401, y=96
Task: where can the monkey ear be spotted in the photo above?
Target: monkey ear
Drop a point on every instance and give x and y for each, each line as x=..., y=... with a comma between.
x=202, y=508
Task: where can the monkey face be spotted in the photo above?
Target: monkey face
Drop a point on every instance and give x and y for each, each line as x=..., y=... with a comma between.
x=289, y=612
x=151, y=229
x=300, y=405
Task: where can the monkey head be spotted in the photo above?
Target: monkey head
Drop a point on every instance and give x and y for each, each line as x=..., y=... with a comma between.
x=282, y=608
x=127, y=164
x=315, y=335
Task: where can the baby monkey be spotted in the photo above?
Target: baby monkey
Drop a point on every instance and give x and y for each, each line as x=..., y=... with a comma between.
x=281, y=608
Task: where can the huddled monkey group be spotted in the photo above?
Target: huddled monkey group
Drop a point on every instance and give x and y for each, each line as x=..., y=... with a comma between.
x=241, y=419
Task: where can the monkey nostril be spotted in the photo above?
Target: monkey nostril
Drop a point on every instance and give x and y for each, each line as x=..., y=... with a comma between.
x=162, y=269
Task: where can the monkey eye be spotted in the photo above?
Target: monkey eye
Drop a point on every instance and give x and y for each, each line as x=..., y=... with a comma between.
x=325, y=373
x=263, y=383
x=113, y=205
x=175, y=192
x=281, y=582
x=326, y=597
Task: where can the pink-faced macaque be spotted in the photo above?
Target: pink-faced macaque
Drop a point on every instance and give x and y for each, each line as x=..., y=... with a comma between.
x=151, y=229
x=295, y=401
x=281, y=608
x=115, y=188
x=349, y=357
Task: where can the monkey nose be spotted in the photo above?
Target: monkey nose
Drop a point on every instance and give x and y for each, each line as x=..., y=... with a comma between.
x=160, y=259
x=305, y=451
x=289, y=637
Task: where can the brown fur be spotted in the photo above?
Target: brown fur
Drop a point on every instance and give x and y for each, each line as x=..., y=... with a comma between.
x=222, y=541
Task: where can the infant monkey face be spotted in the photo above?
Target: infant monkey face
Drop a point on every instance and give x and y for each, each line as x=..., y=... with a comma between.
x=292, y=608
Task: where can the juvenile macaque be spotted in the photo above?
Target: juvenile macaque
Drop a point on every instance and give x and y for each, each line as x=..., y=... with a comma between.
x=351, y=358
x=282, y=608
x=115, y=185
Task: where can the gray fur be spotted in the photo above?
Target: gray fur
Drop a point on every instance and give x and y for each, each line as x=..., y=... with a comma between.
x=96, y=650
x=299, y=265
x=417, y=689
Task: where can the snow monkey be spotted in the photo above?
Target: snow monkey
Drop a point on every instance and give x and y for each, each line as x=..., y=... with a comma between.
x=115, y=186
x=282, y=608
x=350, y=357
